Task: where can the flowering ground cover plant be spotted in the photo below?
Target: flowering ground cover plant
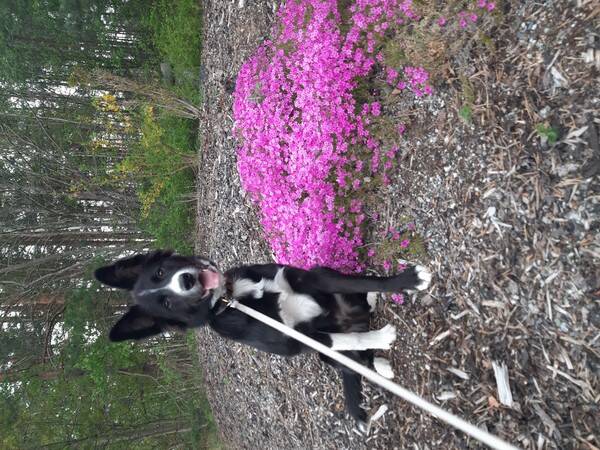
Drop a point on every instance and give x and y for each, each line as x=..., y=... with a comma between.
x=309, y=150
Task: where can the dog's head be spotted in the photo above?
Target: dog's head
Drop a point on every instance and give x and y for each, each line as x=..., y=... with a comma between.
x=169, y=291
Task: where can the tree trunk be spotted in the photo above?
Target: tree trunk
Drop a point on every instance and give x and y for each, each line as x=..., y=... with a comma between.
x=149, y=430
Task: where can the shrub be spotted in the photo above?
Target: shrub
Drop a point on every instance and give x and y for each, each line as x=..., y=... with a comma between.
x=305, y=118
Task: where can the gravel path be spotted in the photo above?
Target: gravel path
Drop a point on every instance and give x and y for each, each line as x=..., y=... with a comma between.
x=510, y=224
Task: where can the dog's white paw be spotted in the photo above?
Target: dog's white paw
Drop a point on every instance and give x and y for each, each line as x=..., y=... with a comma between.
x=424, y=276
x=385, y=337
x=372, y=300
x=362, y=426
x=383, y=367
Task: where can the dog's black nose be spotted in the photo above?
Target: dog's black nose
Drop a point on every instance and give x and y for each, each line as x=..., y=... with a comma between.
x=187, y=281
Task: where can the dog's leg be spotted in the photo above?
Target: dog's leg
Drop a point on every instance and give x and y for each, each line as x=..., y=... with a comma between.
x=352, y=384
x=372, y=301
x=379, y=339
x=383, y=367
x=331, y=281
x=353, y=397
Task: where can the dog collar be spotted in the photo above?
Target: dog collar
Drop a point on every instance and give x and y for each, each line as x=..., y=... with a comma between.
x=222, y=305
x=224, y=302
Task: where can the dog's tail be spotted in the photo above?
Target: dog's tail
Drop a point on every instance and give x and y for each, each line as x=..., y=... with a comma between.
x=353, y=395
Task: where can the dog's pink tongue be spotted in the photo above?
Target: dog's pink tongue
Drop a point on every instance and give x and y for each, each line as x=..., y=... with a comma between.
x=209, y=279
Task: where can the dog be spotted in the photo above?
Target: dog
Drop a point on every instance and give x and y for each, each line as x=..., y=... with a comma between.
x=171, y=291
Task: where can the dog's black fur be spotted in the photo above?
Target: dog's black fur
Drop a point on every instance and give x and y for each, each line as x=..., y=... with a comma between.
x=173, y=291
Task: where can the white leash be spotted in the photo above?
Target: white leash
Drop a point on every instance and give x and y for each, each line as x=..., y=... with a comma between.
x=479, y=434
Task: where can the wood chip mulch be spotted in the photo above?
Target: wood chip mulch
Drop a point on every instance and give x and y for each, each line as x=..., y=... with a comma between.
x=508, y=337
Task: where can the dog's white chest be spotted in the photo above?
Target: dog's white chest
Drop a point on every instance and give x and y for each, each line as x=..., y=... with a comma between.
x=297, y=308
x=294, y=308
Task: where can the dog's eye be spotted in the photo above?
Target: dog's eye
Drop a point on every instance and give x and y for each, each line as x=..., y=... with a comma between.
x=160, y=274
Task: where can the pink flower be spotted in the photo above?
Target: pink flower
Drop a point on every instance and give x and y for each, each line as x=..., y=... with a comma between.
x=417, y=79
x=441, y=21
x=402, y=267
x=391, y=75
x=387, y=265
x=371, y=252
x=391, y=154
x=481, y=3
x=405, y=243
x=416, y=75
x=491, y=6
x=299, y=125
x=398, y=299
x=401, y=128
x=375, y=161
x=375, y=108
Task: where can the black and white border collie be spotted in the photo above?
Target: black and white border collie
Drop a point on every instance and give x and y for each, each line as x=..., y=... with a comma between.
x=178, y=292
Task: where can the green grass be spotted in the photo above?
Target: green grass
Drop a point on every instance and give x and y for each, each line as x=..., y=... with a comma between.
x=466, y=113
x=547, y=132
x=168, y=150
x=163, y=164
x=209, y=432
x=181, y=377
x=164, y=159
x=391, y=250
x=176, y=26
x=166, y=153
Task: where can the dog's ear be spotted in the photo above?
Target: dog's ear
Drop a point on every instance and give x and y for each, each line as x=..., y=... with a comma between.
x=122, y=274
x=135, y=324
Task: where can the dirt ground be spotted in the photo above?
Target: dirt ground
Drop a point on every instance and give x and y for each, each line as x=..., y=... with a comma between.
x=511, y=228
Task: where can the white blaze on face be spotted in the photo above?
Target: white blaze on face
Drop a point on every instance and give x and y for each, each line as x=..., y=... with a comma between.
x=175, y=286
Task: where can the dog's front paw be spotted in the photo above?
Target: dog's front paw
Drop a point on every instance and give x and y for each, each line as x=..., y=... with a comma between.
x=385, y=337
x=362, y=426
x=415, y=278
x=424, y=276
x=383, y=367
